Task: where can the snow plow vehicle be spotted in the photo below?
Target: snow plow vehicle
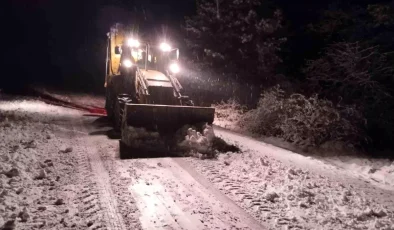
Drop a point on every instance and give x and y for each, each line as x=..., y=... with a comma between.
x=144, y=99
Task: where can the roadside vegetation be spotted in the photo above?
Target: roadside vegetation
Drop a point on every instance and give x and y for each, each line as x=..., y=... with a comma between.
x=326, y=78
x=304, y=121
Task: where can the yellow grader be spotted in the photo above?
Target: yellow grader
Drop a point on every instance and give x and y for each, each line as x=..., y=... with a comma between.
x=144, y=99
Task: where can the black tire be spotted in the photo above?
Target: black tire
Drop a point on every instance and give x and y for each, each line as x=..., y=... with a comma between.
x=123, y=150
x=109, y=104
x=119, y=109
x=118, y=115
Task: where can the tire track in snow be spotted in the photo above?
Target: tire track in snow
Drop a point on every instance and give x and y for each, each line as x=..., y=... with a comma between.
x=88, y=202
x=97, y=197
x=169, y=197
x=250, y=200
x=86, y=205
x=219, y=195
x=119, y=184
x=286, y=197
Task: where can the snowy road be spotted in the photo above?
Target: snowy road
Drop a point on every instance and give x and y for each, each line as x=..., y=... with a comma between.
x=95, y=188
x=167, y=192
x=284, y=189
x=82, y=183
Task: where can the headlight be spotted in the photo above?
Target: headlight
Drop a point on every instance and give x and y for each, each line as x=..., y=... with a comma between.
x=133, y=43
x=174, y=67
x=165, y=47
x=127, y=63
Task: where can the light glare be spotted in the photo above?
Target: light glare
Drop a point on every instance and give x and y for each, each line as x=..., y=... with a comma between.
x=133, y=43
x=127, y=63
x=165, y=47
x=174, y=67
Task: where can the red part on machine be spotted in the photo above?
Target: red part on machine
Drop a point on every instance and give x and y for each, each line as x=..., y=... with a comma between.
x=92, y=110
x=97, y=112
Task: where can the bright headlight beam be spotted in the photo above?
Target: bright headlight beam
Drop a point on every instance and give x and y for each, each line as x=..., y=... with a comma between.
x=133, y=43
x=165, y=47
x=127, y=63
x=174, y=67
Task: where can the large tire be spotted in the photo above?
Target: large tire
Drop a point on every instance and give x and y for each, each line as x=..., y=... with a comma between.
x=119, y=109
x=109, y=103
x=119, y=92
x=117, y=116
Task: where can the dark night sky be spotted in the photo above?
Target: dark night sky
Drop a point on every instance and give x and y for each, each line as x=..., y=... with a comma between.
x=63, y=42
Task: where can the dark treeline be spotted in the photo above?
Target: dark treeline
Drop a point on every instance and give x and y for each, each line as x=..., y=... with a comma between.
x=340, y=51
x=279, y=36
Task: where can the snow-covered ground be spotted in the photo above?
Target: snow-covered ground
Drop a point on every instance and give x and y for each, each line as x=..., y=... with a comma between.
x=37, y=173
x=61, y=170
x=370, y=179
x=48, y=179
x=377, y=171
x=283, y=189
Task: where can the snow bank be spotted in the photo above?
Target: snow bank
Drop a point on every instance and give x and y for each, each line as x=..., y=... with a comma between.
x=198, y=143
x=205, y=144
x=187, y=139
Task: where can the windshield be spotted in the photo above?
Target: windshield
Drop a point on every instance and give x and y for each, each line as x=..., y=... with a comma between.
x=156, y=59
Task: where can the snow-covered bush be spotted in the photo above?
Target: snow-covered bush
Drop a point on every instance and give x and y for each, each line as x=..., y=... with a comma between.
x=266, y=117
x=229, y=114
x=304, y=121
x=313, y=121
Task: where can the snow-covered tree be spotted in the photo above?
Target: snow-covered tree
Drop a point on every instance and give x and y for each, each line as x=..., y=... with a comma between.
x=234, y=37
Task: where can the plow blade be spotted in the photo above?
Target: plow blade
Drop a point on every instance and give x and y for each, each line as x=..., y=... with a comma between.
x=151, y=130
x=166, y=118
